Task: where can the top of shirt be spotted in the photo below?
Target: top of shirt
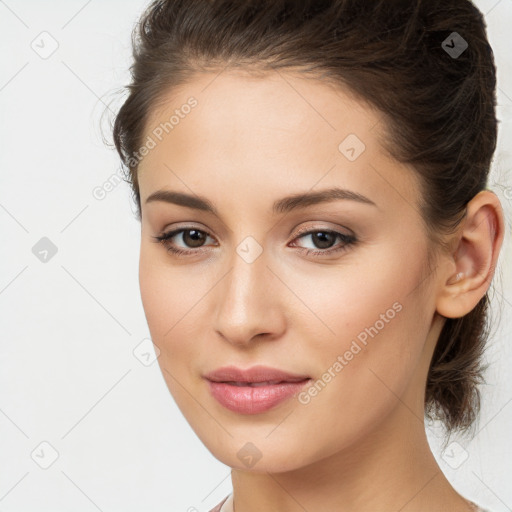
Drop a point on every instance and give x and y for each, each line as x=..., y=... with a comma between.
x=226, y=505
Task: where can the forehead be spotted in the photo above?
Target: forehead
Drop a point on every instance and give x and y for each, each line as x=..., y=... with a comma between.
x=274, y=131
x=236, y=102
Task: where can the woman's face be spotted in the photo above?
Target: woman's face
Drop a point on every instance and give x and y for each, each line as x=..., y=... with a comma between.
x=357, y=317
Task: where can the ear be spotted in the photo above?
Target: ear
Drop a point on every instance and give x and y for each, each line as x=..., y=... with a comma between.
x=470, y=268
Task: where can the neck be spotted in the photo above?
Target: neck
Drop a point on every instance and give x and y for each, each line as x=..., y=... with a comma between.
x=391, y=469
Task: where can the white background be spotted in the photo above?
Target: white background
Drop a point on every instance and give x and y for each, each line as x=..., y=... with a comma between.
x=68, y=374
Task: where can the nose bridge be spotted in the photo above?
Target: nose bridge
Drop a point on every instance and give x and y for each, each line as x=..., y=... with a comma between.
x=247, y=302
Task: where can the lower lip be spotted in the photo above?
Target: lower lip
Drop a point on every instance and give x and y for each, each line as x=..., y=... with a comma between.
x=253, y=400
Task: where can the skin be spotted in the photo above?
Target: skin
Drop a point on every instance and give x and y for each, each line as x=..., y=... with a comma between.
x=360, y=443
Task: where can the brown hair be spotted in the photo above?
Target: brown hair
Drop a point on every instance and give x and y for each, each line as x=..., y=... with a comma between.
x=439, y=110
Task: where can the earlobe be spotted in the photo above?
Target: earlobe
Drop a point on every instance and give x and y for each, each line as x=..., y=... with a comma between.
x=478, y=242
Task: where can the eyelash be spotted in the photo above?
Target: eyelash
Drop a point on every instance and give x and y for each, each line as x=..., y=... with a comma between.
x=349, y=242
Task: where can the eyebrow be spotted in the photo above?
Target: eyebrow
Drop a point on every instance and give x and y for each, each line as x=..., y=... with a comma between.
x=284, y=205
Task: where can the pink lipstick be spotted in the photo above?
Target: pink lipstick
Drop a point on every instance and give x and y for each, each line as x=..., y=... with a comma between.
x=254, y=390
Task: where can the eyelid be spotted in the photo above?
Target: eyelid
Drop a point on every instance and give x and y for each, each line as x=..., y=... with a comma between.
x=303, y=230
x=184, y=226
x=309, y=229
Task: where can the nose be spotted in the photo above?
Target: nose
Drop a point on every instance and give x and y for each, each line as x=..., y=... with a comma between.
x=249, y=302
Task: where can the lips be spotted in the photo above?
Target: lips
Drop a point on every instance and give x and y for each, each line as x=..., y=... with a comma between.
x=255, y=390
x=256, y=375
x=256, y=384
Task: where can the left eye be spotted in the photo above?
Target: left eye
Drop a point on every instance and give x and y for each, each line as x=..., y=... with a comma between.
x=325, y=239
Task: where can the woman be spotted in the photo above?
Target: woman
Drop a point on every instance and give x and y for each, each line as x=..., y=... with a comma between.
x=317, y=237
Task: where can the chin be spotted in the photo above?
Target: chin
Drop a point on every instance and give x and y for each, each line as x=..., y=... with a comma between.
x=242, y=454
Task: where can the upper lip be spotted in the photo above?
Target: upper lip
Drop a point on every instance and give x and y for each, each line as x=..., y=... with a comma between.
x=256, y=373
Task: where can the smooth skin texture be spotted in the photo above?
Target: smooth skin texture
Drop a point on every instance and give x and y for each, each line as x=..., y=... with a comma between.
x=360, y=443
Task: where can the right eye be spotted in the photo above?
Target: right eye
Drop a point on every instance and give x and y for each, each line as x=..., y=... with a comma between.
x=189, y=235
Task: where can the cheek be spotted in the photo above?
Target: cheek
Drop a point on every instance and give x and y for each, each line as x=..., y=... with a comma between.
x=157, y=295
x=372, y=332
x=169, y=308
x=166, y=290
x=371, y=297
x=167, y=301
